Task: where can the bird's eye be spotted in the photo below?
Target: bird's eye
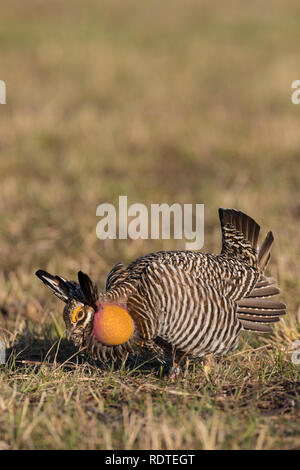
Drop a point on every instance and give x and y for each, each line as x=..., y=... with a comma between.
x=77, y=314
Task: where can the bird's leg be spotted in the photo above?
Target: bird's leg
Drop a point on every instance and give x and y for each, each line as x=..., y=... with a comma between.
x=208, y=364
x=176, y=369
x=174, y=373
x=187, y=363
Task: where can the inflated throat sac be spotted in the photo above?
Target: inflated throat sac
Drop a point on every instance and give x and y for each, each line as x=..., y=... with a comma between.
x=113, y=325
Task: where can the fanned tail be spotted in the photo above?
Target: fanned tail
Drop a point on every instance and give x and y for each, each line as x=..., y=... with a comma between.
x=264, y=254
x=239, y=236
x=258, y=310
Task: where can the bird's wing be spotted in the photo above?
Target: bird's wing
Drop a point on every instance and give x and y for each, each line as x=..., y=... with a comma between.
x=117, y=274
x=132, y=273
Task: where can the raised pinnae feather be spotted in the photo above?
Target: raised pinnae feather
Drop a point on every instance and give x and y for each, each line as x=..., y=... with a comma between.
x=63, y=289
x=89, y=289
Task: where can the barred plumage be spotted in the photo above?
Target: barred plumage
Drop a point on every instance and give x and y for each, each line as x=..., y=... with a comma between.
x=189, y=302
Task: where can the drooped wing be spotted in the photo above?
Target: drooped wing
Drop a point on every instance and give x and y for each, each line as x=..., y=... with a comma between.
x=117, y=274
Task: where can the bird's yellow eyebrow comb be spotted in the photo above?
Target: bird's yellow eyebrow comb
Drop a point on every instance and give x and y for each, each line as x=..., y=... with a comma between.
x=74, y=314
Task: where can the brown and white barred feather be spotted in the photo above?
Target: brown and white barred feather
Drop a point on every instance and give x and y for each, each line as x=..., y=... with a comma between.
x=198, y=303
x=257, y=310
x=191, y=302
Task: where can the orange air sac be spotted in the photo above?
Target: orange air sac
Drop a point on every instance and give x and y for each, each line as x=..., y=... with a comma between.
x=113, y=325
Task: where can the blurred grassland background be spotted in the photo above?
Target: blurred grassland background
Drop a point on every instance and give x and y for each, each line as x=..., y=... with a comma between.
x=185, y=102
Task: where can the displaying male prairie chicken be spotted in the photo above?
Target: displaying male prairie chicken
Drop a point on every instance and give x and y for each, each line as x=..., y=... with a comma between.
x=189, y=302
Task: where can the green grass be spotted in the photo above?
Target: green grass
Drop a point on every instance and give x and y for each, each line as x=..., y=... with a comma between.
x=189, y=104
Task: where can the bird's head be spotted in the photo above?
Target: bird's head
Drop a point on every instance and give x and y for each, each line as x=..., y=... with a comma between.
x=87, y=315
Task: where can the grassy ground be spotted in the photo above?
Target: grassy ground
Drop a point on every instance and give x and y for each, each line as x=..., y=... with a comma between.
x=190, y=104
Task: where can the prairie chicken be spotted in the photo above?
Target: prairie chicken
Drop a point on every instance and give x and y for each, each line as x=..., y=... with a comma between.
x=193, y=303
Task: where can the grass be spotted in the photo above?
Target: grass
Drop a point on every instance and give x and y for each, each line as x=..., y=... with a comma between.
x=187, y=104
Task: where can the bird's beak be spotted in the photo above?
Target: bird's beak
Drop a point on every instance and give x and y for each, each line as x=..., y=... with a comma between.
x=68, y=335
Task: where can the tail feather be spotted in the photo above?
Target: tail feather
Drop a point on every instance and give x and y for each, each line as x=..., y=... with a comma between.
x=266, y=291
x=259, y=306
x=264, y=282
x=258, y=309
x=264, y=254
x=239, y=235
x=255, y=326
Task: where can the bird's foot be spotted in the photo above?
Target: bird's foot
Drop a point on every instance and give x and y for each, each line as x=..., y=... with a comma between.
x=208, y=363
x=174, y=373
